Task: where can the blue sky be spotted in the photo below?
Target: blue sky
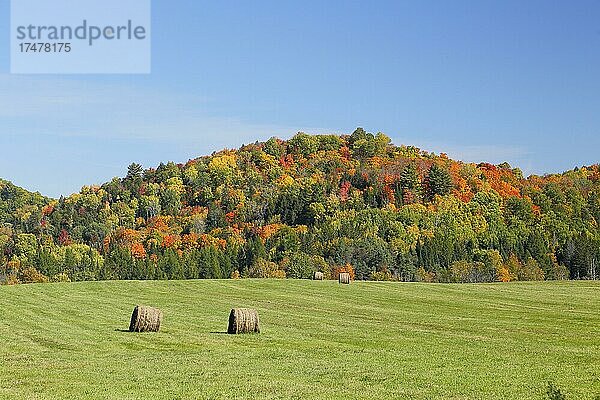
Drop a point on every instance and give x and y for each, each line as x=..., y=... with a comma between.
x=496, y=81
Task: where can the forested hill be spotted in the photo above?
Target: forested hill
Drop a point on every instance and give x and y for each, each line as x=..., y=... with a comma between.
x=287, y=208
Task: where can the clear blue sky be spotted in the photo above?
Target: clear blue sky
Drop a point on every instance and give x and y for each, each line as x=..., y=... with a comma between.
x=481, y=80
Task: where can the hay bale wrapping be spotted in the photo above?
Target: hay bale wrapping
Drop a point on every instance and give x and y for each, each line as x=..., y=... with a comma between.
x=145, y=319
x=243, y=320
x=318, y=276
x=344, y=278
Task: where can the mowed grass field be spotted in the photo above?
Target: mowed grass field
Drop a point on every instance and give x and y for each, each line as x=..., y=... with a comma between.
x=319, y=340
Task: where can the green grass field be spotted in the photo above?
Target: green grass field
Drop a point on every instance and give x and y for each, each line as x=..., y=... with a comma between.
x=319, y=340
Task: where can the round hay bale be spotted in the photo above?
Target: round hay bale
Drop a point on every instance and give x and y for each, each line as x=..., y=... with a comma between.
x=344, y=278
x=243, y=320
x=318, y=276
x=145, y=319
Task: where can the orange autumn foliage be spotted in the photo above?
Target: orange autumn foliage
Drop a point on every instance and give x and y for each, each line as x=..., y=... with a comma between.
x=498, y=180
x=127, y=236
x=138, y=251
x=171, y=241
x=190, y=241
x=47, y=210
x=503, y=275
x=208, y=240
x=229, y=217
x=335, y=273
x=266, y=231
x=158, y=224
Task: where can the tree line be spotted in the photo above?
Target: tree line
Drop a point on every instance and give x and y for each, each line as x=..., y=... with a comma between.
x=354, y=203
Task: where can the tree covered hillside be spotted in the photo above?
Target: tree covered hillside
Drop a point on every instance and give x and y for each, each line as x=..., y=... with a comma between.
x=353, y=203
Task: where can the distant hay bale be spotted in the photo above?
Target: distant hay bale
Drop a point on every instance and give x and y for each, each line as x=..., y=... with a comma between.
x=145, y=319
x=318, y=276
x=243, y=320
x=344, y=278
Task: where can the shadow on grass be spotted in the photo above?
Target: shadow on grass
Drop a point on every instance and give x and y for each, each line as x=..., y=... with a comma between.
x=213, y=333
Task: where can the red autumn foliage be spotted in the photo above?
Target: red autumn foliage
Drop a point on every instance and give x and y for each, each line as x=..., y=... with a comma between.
x=63, y=238
x=344, y=189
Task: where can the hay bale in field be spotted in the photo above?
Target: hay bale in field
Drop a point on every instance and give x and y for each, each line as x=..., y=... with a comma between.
x=344, y=278
x=243, y=320
x=318, y=276
x=145, y=319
